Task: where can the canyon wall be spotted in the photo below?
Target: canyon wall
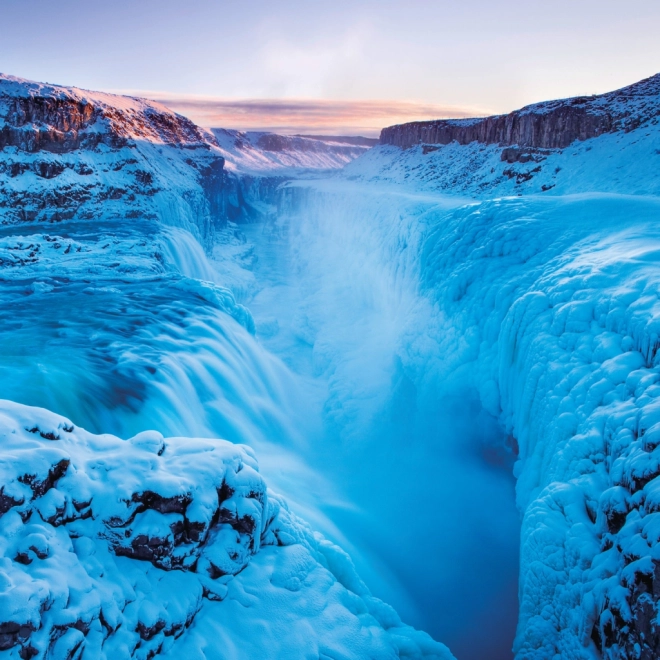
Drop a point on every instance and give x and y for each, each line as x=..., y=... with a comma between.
x=550, y=125
x=69, y=154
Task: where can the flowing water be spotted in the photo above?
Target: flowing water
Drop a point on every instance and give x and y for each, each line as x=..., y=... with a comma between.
x=340, y=391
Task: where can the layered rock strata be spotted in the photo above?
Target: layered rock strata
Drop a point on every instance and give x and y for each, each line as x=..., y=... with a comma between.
x=549, y=125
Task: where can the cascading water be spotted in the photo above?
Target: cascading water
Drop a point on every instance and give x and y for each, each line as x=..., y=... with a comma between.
x=424, y=466
x=345, y=423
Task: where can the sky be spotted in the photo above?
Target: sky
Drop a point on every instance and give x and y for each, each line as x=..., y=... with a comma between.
x=333, y=66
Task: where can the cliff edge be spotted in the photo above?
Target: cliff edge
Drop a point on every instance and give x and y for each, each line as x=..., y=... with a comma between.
x=548, y=125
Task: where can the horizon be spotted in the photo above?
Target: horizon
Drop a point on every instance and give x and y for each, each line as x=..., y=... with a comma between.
x=333, y=68
x=316, y=117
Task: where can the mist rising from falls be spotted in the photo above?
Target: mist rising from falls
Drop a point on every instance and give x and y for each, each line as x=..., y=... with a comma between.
x=432, y=523
x=341, y=393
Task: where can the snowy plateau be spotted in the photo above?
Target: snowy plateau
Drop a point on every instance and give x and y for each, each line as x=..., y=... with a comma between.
x=256, y=386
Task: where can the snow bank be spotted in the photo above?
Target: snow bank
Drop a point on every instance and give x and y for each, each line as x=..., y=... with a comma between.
x=622, y=162
x=114, y=548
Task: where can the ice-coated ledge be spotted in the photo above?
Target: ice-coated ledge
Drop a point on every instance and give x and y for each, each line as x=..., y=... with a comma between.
x=114, y=548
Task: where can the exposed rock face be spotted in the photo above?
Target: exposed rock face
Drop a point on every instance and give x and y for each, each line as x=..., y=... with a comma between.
x=550, y=125
x=39, y=117
x=68, y=154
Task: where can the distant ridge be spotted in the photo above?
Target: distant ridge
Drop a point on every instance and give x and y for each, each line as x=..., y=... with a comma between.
x=547, y=125
x=357, y=140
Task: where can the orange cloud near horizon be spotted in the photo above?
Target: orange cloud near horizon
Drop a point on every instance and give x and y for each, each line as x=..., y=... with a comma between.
x=306, y=116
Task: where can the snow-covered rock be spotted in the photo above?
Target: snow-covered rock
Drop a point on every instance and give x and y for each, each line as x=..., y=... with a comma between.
x=517, y=159
x=112, y=310
x=156, y=546
x=69, y=154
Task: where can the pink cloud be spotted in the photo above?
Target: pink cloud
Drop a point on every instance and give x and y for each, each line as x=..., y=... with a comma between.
x=305, y=116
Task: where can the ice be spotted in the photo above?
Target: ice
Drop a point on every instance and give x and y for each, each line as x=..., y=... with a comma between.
x=94, y=526
x=394, y=342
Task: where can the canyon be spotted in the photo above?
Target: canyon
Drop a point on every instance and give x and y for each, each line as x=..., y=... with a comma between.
x=384, y=337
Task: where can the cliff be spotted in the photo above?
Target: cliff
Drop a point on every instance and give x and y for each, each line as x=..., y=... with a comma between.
x=40, y=117
x=71, y=154
x=549, y=125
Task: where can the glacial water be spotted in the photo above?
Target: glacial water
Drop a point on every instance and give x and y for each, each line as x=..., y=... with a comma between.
x=337, y=389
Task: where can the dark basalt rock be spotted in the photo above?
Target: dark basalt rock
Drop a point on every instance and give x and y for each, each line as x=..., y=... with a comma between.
x=7, y=502
x=12, y=634
x=149, y=632
x=150, y=500
x=513, y=155
x=551, y=125
x=39, y=488
x=154, y=549
x=639, y=637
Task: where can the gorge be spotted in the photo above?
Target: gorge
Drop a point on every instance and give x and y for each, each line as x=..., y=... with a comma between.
x=388, y=337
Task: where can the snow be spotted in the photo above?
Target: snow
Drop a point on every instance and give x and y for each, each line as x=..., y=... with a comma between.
x=393, y=342
x=267, y=154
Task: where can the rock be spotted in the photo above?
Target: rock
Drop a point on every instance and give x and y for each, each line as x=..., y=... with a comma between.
x=550, y=125
x=201, y=506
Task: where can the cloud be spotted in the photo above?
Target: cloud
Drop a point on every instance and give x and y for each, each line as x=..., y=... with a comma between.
x=304, y=115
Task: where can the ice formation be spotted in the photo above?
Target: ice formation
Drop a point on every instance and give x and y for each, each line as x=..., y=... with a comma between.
x=112, y=312
x=378, y=332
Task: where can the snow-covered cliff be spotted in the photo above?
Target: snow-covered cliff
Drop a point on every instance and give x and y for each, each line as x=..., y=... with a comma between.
x=70, y=154
x=511, y=161
x=530, y=276
x=548, y=125
x=268, y=153
x=114, y=315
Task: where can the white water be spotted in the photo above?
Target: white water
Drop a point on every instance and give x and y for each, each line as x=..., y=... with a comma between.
x=334, y=393
x=432, y=523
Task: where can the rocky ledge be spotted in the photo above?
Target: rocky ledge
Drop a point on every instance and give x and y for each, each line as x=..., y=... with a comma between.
x=72, y=503
x=39, y=117
x=114, y=548
x=549, y=125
